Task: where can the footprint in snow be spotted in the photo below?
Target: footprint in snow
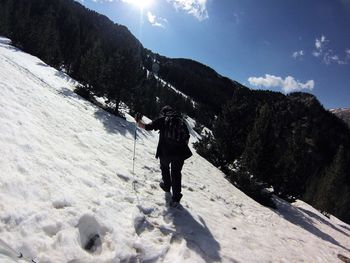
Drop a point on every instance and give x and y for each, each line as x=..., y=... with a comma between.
x=91, y=234
x=145, y=210
x=141, y=224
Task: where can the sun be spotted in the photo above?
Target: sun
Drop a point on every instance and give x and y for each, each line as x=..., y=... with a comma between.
x=139, y=3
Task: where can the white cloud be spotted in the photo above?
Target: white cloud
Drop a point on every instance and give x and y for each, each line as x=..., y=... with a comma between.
x=156, y=21
x=326, y=54
x=316, y=54
x=289, y=84
x=298, y=54
x=321, y=47
x=319, y=43
x=347, y=52
x=197, y=8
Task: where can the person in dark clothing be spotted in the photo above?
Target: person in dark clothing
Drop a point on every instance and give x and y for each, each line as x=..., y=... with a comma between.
x=171, y=153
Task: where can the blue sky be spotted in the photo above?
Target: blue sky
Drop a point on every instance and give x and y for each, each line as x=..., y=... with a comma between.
x=289, y=45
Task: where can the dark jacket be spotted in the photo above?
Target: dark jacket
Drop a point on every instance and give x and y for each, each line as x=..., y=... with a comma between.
x=165, y=148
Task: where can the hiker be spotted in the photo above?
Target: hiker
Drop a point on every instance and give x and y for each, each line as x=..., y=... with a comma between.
x=172, y=149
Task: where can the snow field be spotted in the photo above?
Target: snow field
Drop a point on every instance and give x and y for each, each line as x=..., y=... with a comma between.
x=68, y=194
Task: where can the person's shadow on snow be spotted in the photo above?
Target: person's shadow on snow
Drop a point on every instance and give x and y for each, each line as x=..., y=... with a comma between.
x=196, y=234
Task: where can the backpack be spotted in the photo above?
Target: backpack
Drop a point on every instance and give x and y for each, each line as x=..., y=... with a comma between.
x=175, y=130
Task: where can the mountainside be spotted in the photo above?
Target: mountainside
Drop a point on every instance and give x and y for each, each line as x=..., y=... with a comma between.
x=289, y=142
x=107, y=58
x=67, y=192
x=343, y=114
x=199, y=81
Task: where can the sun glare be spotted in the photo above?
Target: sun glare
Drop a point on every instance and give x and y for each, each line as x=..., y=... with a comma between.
x=140, y=3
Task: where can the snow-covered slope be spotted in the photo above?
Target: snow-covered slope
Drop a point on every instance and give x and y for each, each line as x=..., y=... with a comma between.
x=342, y=113
x=67, y=192
x=164, y=83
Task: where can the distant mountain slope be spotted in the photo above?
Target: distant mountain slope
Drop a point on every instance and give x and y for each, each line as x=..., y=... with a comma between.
x=343, y=114
x=199, y=81
x=68, y=194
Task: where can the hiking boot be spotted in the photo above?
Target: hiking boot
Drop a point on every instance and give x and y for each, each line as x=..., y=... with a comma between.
x=168, y=197
x=164, y=188
x=176, y=205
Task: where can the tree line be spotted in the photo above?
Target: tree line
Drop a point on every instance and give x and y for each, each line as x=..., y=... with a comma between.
x=288, y=142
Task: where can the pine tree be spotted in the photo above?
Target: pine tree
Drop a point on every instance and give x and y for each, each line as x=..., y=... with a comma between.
x=232, y=128
x=5, y=17
x=92, y=69
x=115, y=82
x=48, y=35
x=70, y=40
x=333, y=191
x=20, y=22
x=259, y=146
x=209, y=149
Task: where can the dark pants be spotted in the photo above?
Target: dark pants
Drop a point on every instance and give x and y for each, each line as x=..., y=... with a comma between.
x=172, y=177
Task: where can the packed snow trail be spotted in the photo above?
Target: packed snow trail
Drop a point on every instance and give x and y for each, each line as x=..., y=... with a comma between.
x=68, y=194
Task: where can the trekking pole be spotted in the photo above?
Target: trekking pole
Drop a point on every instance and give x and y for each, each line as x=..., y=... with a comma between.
x=10, y=252
x=134, y=154
x=138, y=117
